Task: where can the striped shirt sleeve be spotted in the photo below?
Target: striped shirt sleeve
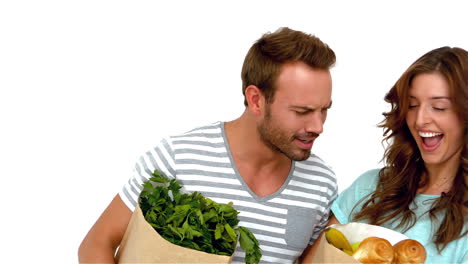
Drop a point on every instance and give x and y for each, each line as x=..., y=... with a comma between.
x=159, y=158
x=323, y=222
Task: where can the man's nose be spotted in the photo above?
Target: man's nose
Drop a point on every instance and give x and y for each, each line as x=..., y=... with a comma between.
x=314, y=123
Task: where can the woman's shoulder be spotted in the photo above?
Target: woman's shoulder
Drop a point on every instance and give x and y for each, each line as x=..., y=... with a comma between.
x=349, y=201
x=368, y=178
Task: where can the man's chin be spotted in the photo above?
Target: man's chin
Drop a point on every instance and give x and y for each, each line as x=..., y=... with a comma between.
x=302, y=158
x=299, y=156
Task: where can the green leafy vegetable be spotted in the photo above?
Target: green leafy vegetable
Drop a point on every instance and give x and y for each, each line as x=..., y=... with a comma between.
x=193, y=221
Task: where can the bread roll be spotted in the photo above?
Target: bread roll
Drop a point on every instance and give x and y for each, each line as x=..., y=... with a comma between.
x=374, y=250
x=409, y=251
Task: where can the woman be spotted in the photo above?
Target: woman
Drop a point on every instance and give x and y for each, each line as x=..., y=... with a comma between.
x=422, y=190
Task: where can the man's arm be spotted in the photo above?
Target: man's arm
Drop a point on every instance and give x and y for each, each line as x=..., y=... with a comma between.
x=102, y=240
x=309, y=252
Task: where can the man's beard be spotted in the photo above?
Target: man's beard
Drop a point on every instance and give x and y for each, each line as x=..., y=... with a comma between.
x=278, y=139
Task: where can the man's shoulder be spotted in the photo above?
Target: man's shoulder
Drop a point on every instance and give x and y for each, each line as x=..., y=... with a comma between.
x=207, y=130
x=315, y=165
x=315, y=160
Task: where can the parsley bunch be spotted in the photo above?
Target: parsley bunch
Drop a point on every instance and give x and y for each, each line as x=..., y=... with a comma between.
x=193, y=221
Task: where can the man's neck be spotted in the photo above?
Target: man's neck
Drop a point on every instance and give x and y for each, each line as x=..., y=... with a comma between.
x=247, y=146
x=263, y=169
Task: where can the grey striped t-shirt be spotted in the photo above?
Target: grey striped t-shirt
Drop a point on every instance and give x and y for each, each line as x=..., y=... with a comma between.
x=284, y=222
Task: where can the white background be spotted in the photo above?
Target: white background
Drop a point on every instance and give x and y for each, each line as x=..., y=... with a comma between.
x=86, y=86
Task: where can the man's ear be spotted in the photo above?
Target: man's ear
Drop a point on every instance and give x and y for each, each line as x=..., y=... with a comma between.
x=255, y=99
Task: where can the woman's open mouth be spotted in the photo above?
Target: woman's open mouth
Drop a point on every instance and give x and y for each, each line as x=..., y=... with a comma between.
x=430, y=140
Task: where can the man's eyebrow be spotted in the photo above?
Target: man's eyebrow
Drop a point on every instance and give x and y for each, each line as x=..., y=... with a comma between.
x=307, y=108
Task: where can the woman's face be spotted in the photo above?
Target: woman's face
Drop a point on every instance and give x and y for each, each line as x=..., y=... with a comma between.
x=433, y=122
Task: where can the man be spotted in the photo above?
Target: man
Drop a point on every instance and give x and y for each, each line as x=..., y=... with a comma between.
x=262, y=161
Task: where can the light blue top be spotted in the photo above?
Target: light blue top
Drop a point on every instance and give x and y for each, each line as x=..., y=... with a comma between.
x=422, y=231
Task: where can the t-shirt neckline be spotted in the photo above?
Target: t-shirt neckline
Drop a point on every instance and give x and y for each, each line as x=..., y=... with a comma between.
x=239, y=177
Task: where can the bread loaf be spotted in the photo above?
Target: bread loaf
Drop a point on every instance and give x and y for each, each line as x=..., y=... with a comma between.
x=374, y=250
x=409, y=251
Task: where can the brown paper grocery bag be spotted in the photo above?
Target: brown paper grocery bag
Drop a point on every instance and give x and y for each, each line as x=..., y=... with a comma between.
x=142, y=244
x=327, y=253
x=354, y=232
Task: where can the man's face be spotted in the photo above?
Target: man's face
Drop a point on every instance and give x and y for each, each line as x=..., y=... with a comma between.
x=296, y=116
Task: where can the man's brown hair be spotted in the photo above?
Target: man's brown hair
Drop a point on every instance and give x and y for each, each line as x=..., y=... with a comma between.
x=263, y=62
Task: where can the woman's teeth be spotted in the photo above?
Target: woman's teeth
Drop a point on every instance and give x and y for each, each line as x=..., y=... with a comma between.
x=429, y=134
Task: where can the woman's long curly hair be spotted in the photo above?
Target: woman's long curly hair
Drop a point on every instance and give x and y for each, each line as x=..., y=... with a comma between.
x=404, y=169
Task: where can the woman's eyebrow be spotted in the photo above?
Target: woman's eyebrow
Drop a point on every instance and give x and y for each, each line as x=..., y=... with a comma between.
x=434, y=97
x=441, y=97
